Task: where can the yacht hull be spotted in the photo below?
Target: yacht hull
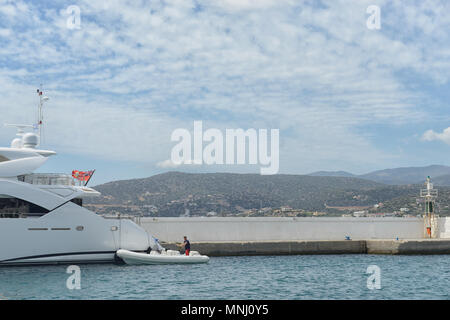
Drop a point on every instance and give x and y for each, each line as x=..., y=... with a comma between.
x=68, y=235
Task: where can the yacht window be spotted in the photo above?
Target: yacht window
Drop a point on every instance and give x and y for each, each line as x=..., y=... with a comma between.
x=10, y=215
x=2, y=158
x=14, y=208
x=78, y=201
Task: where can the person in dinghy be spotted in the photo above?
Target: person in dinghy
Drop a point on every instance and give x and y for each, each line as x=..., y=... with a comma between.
x=186, y=245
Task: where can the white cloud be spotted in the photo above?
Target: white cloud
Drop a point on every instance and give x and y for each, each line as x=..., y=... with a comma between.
x=5, y=32
x=8, y=10
x=167, y=164
x=137, y=70
x=444, y=136
x=249, y=4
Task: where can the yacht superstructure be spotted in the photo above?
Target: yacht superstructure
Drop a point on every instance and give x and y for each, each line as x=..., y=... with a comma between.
x=42, y=220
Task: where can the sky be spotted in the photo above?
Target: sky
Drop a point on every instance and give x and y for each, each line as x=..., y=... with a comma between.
x=343, y=96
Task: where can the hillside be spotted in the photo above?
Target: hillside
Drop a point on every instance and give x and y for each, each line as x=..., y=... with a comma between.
x=332, y=174
x=406, y=175
x=397, y=176
x=442, y=180
x=175, y=193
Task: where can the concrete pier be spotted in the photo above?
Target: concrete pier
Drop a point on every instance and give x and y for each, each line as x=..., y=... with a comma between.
x=231, y=229
x=238, y=248
x=232, y=236
x=275, y=247
x=420, y=246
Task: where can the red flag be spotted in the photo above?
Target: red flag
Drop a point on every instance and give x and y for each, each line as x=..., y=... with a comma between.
x=82, y=175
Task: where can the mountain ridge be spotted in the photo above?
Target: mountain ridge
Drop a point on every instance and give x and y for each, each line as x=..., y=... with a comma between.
x=400, y=176
x=178, y=193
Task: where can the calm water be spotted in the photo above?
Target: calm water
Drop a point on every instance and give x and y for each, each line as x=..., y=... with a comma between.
x=268, y=277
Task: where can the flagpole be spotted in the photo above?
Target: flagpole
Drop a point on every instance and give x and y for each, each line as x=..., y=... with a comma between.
x=89, y=178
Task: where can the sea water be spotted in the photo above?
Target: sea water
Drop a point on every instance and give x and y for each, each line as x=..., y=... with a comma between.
x=251, y=277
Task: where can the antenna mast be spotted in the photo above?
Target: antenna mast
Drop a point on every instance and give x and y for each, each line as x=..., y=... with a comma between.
x=40, y=119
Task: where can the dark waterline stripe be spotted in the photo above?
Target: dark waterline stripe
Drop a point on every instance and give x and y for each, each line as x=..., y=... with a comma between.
x=57, y=254
x=63, y=254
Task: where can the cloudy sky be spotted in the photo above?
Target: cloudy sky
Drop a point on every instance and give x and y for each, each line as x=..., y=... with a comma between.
x=344, y=97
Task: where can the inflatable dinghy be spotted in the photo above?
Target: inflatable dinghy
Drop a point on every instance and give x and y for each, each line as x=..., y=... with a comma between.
x=165, y=257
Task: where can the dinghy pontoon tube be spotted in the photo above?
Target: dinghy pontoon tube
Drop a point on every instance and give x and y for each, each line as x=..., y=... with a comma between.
x=165, y=257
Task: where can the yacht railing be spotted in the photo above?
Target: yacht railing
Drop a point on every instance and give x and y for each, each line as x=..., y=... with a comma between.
x=49, y=179
x=135, y=219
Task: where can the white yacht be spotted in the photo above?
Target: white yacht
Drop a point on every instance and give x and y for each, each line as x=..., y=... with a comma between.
x=42, y=220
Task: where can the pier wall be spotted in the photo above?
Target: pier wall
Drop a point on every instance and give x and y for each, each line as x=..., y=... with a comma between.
x=229, y=229
x=219, y=249
x=444, y=228
x=308, y=247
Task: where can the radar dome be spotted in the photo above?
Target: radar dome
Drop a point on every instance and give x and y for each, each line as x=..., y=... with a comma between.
x=30, y=140
x=16, y=143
